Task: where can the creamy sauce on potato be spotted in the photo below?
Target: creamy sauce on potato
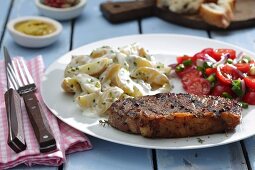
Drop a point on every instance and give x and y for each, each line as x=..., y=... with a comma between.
x=108, y=74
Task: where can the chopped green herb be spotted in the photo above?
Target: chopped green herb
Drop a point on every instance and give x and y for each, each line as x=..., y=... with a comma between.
x=97, y=84
x=229, y=61
x=237, y=87
x=187, y=63
x=200, y=140
x=246, y=59
x=98, y=62
x=200, y=68
x=244, y=105
x=211, y=78
x=179, y=68
x=88, y=68
x=94, y=100
x=158, y=66
x=226, y=95
x=207, y=64
x=135, y=64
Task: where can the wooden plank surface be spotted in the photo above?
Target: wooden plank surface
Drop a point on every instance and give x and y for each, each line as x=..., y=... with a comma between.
x=156, y=25
x=110, y=156
x=27, y=8
x=35, y=167
x=90, y=27
x=244, y=38
x=4, y=10
x=226, y=157
x=187, y=159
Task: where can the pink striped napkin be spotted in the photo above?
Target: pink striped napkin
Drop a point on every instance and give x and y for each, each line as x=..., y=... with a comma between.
x=68, y=139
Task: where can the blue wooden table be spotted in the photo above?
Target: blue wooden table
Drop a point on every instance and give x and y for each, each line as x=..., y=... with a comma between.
x=90, y=27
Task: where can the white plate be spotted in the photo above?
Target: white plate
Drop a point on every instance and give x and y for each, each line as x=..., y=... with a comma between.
x=169, y=46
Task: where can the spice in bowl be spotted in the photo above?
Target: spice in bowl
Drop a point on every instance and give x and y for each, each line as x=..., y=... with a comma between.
x=60, y=3
x=35, y=27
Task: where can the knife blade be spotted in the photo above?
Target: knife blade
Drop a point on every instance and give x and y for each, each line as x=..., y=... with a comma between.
x=16, y=138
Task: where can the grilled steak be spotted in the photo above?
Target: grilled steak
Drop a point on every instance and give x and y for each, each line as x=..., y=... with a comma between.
x=170, y=115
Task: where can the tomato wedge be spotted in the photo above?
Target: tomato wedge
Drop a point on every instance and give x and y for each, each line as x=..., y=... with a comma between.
x=221, y=51
x=189, y=77
x=219, y=89
x=199, y=86
x=226, y=74
x=186, y=70
x=243, y=67
x=250, y=82
x=183, y=58
x=209, y=71
x=249, y=97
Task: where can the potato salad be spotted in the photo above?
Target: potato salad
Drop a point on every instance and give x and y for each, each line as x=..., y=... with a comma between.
x=107, y=74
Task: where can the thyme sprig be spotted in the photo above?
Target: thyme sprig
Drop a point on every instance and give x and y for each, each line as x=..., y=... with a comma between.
x=104, y=122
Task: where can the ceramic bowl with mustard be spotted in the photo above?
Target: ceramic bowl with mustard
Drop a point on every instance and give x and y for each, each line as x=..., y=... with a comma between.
x=33, y=31
x=61, y=9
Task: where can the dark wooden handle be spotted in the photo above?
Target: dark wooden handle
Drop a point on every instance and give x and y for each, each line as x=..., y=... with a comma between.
x=117, y=12
x=16, y=138
x=39, y=123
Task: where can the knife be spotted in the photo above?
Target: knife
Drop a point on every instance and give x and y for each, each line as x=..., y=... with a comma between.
x=16, y=138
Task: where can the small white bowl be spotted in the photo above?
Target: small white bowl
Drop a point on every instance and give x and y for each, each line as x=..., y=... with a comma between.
x=34, y=41
x=61, y=13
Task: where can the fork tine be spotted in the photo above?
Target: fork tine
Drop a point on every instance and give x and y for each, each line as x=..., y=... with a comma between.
x=29, y=77
x=15, y=74
x=11, y=79
x=21, y=72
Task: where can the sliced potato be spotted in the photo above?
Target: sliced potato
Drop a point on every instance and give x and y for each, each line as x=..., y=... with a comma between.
x=88, y=83
x=141, y=88
x=110, y=72
x=137, y=92
x=99, y=52
x=142, y=62
x=96, y=67
x=122, y=60
x=150, y=75
x=142, y=52
x=164, y=89
x=71, y=85
x=130, y=49
x=107, y=98
x=76, y=61
x=163, y=69
x=87, y=100
x=123, y=81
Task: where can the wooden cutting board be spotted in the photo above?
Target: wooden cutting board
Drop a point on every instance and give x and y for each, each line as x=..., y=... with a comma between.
x=116, y=12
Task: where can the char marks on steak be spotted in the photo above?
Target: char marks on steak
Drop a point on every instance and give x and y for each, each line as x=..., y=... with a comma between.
x=170, y=115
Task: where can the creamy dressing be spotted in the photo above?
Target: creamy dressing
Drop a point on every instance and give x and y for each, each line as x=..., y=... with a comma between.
x=102, y=84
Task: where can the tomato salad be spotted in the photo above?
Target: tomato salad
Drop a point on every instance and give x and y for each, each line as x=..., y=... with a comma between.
x=219, y=72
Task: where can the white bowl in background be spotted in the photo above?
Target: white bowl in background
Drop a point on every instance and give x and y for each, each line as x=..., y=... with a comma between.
x=30, y=40
x=61, y=13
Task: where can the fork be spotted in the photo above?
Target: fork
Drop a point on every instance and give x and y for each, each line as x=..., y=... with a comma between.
x=25, y=86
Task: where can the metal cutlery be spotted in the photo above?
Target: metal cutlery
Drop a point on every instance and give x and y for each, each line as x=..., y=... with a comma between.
x=24, y=84
x=16, y=138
